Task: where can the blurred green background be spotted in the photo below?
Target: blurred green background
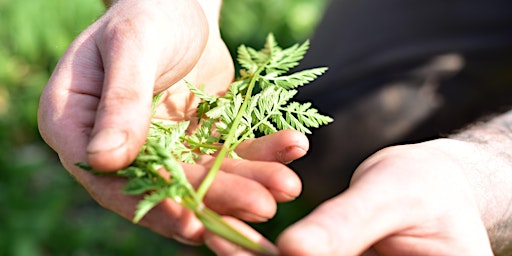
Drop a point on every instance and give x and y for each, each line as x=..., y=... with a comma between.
x=43, y=211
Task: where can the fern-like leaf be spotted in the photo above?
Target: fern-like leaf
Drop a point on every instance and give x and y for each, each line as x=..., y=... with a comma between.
x=148, y=203
x=207, y=101
x=282, y=61
x=297, y=79
x=245, y=59
x=302, y=116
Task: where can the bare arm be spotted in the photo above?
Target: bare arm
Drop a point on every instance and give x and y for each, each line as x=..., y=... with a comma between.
x=492, y=179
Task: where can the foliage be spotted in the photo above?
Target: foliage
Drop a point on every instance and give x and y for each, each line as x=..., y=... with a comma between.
x=44, y=211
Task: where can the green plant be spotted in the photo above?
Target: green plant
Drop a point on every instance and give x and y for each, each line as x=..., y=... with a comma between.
x=258, y=103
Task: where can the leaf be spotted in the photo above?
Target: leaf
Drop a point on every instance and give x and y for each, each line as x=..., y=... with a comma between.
x=200, y=93
x=172, y=141
x=266, y=127
x=139, y=186
x=132, y=172
x=206, y=103
x=245, y=59
x=216, y=112
x=203, y=138
x=146, y=204
x=297, y=79
x=282, y=61
x=302, y=116
x=271, y=47
x=156, y=100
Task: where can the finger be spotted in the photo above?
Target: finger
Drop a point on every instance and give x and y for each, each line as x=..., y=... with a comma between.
x=124, y=109
x=234, y=195
x=223, y=247
x=284, y=146
x=284, y=184
x=229, y=195
x=334, y=228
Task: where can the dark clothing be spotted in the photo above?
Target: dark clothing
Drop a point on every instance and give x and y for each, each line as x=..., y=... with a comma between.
x=399, y=72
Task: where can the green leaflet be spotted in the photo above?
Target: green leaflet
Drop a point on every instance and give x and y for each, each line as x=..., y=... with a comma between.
x=149, y=201
x=259, y=103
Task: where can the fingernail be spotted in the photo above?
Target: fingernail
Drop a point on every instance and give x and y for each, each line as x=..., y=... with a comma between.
x=185, y=241
x=289, y=154
x=282, y=196
x=106, y=140
x=249, y=216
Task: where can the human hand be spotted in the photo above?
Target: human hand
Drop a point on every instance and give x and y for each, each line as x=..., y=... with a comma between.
x=100, y=93
x=403, y=200
x=96, y=108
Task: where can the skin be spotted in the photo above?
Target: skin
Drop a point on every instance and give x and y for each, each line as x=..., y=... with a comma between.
x=442, y=197
x=96, y=107
x=434, y=210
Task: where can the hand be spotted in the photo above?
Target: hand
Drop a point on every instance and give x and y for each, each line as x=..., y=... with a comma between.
x=97, y=107
x=404, y=200
x=97, y=104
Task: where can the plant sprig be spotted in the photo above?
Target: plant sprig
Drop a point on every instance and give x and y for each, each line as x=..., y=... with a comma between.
x=259, y=103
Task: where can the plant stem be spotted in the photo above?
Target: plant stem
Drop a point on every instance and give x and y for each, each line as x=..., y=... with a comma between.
x=202, y=145
x=216, y=224
x=226, y=147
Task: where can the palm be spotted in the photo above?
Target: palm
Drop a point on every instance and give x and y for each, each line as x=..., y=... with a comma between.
x=179, y=104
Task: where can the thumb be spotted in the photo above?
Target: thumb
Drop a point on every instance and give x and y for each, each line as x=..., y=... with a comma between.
x=122, y=121
x=124, y=109
x=138, y=53
x=339, y=226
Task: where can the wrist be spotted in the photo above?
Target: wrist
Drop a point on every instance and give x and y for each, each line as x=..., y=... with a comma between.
x=211, y=9
x=489, y=170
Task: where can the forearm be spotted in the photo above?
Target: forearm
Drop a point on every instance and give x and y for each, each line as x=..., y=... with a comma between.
x=490, y=174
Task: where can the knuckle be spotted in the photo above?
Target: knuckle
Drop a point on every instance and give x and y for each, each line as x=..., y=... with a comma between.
x=126, y=32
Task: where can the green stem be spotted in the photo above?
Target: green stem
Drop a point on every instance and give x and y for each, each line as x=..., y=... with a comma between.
x=213, y=222
x=226, y=147
x=201, y=145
